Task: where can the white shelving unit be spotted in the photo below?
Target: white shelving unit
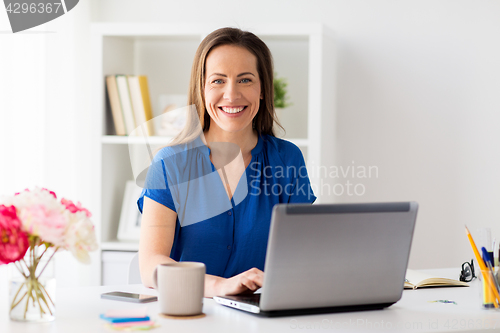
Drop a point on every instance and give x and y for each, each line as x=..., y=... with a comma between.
x=304, y=54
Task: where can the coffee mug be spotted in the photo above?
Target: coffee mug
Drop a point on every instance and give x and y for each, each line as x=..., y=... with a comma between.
x=180, y=286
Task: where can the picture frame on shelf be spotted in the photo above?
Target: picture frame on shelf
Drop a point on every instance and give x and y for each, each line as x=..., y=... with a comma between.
x=130, y=216
x=172, y=117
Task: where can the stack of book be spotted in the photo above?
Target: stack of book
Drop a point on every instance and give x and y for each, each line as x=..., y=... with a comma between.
x=130, y=103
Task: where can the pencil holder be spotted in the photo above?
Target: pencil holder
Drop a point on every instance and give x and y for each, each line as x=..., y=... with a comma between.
x=489, y=290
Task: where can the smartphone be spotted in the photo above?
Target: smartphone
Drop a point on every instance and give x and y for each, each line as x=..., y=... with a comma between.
x=129, y=297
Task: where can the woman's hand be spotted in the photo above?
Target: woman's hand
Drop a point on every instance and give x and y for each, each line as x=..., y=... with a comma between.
x=246, y=282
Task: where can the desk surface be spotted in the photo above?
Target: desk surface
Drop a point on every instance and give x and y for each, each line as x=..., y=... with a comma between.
x=78, y=310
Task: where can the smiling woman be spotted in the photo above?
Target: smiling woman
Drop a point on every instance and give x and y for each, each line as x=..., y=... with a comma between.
x=256, y=64
x=232, y=90
x=198, y=203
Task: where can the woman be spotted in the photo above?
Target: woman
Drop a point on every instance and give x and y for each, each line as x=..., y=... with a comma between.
x=217, y=187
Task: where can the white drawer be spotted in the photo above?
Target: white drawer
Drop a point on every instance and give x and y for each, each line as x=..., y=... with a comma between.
x=115, y=265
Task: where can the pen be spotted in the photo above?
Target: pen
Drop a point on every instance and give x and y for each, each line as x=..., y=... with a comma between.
x=496, y=254
x=497, y=284
x=487, y=294
x=483, y=267
x=487, y=256
x=493, y=250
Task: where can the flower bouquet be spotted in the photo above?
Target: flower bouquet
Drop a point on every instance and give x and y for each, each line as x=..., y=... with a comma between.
x=35, y=225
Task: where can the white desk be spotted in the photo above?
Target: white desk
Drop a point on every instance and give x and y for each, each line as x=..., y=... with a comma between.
x=78, y=310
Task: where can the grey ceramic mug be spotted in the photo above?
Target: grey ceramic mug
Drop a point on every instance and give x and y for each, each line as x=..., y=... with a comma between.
x=180, y=286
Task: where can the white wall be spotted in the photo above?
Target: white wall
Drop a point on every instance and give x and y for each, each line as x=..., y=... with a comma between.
x=43, y=102
x=22, y=113
x=418, y=87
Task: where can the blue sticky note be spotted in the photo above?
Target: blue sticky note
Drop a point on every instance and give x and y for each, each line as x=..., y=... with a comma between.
x=114, y=320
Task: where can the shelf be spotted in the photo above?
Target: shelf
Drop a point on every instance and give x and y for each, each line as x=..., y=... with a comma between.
x=119, y=246
x=148, y=30
x=117, y=139
x=299, y=142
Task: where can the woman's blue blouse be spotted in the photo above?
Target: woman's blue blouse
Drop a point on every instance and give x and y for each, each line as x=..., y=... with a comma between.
x=228, y=236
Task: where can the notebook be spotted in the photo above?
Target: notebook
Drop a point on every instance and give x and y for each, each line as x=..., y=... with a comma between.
x=332, y=257
x=416, y=279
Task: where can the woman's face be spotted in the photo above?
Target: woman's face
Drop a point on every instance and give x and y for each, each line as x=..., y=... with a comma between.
x=232, y=88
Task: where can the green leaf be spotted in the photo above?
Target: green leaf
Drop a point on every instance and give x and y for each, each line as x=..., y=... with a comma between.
x=280, y=92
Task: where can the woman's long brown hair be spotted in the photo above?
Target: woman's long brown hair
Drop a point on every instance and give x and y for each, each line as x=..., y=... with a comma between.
x=266, y=116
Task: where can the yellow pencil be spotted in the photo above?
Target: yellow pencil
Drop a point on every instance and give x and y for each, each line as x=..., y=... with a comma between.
x=482, y=266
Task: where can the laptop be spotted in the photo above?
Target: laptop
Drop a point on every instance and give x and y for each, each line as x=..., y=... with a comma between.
x=332, y=258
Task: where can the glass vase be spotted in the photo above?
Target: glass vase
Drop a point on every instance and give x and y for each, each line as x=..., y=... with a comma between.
x=32, y=299
x=32, y=290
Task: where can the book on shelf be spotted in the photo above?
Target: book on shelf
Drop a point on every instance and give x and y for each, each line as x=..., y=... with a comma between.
x=416, y=279
x=126, y=102
x=141, y=103
x=114, y=101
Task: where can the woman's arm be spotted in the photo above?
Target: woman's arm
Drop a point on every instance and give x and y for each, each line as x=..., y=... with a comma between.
x=157, y=237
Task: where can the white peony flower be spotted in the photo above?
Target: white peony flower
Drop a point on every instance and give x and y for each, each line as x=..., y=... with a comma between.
x=80, y=236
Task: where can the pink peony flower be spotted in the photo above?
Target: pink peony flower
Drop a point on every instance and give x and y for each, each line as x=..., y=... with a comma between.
x=49, y=225
x=52, y=193
x=41, y=214
x=75, y=208
x=61, y=224
x=25, y=190
x=13, y=240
